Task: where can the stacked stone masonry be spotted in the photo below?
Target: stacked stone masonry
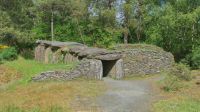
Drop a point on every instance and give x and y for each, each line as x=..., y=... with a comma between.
x=96, y=63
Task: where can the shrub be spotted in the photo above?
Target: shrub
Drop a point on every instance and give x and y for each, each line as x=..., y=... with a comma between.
x=3, y=47
x=8, y=54
x=195, y=58
x=171, y=83
x=27, y=54
x=181, y=71
x=175, y=77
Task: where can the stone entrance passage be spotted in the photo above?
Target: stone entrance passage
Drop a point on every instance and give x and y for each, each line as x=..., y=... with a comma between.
x=113, y=68
x=109, y=68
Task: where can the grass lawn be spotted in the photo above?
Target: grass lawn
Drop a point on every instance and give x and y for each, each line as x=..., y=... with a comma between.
x=22, y=95
x=181, y=104
x=30, y=68
x=186, y=99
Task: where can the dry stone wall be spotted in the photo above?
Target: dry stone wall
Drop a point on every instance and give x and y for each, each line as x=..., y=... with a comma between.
x=89, y=68
x=145, y=60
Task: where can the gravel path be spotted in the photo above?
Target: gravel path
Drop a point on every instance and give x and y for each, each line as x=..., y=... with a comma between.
x=121, y=96
x=126, y=96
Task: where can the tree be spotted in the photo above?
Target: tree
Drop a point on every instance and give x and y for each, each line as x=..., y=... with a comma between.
x=63, y=15
x=174, y=29
x=19, y=12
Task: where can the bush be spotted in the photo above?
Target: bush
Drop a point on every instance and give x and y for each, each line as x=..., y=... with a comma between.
x=8, y=54
x=195, y=58
x=175, y=77
x=171, y=83
x=181, y=71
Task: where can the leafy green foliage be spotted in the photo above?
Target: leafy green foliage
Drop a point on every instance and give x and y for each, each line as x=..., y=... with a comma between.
x=171, y=83
x=19, y=12
x=172, y=24
x=196, y=58
x=181, y=71
x=8, y=54
x=173, y=80
x=174, y=30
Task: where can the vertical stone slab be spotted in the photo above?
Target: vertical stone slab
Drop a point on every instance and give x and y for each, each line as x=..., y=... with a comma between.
x=96, y=69
x=40, y=53
x=48, y=55
x=76, y=58
x=112, y=72
x=37, y=53
x=69, y=58
x=57, y=56
x=119, y=69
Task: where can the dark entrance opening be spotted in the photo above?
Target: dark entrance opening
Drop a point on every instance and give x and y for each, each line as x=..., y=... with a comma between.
x=108, y=67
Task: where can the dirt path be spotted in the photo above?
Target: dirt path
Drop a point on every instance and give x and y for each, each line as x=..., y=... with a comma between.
x=121, y=96
x=126, y=96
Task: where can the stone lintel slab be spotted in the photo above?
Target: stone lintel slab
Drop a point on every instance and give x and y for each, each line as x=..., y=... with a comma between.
x=58, y=44
x=108, y=57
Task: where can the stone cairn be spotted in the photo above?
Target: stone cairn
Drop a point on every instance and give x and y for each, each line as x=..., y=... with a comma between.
x=96, y=63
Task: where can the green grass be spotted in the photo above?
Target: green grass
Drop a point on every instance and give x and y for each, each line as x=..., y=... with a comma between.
x=30, y=68
x=178, y=105
x=13, y=108
x=48, y=96
x=184, y=99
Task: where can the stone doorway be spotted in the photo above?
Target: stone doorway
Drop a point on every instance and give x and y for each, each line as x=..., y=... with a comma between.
x=113, y=68
x=108, y=67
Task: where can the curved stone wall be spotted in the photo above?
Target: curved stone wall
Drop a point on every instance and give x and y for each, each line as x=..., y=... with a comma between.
x=145, y=59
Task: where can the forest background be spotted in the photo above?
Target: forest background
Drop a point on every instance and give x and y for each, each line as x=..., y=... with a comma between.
x=173, y=25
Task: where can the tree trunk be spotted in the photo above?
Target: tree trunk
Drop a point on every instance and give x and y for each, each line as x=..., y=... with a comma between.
x=80, y=32
x=125, y=38
x=110, y=4
x=52, y=26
